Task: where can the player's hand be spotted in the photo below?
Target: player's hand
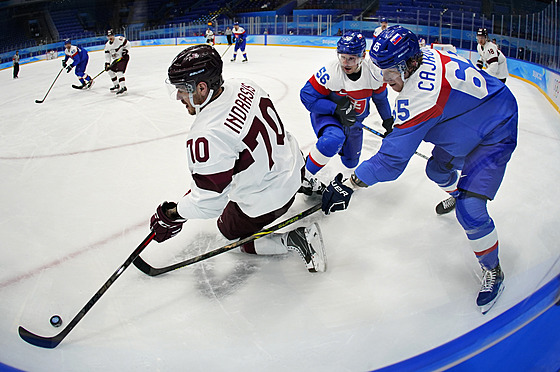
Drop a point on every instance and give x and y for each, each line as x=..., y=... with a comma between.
x=337, y=196
x=163, y=224
x=345, y=112
x=107, y=66
x=479, y=64
x=124, y=52
x=63, y=63
x=69, y=68
x=388, y=126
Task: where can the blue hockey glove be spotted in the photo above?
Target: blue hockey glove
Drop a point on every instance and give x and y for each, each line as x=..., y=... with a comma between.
x=337, y=196
x=345, y=112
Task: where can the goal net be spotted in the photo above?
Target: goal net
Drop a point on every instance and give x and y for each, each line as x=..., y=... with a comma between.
x=52, y=54
x=444, y=47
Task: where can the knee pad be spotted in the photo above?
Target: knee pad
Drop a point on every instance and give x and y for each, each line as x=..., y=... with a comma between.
x=473, y=215
x=331, y=140
x=439, y=173
x=350, y=163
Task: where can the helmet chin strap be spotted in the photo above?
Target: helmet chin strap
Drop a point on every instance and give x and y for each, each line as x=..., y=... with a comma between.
x=197, y=108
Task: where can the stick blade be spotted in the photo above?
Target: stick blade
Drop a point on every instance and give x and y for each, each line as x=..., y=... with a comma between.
x=39, y=101
x=40, y=341
x=144, y=266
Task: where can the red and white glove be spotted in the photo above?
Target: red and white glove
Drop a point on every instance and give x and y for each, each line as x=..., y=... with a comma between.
x=165, y=224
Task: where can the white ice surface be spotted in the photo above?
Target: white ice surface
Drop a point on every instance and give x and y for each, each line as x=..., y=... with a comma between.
x=83, y=172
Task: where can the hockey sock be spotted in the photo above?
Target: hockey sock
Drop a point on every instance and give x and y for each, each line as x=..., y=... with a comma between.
x=479, y=227
x=120, y=76
x=328, y=145
x=82, y=81
x=270, y=245
x=245, y=55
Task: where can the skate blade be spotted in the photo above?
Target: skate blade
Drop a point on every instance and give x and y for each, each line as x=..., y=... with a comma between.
x=486, y=308
x=315, y=239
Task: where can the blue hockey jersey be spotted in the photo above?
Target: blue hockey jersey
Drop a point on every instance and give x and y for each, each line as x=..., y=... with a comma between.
x=447, y=102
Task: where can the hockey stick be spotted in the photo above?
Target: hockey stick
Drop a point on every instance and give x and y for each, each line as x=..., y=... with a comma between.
x=111, y=65
x=52, y=342
x=153, y=271
x=224, y=53
x=45, y=97
x=382, y=136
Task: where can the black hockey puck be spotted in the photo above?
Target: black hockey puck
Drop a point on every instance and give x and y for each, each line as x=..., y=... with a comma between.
x=56, y=321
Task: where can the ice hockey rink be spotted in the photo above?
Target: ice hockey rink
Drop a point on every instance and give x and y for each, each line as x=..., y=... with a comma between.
x=83, y=172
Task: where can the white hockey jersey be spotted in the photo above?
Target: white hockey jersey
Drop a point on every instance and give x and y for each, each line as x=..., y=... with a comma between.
x=114, y=50
x=239, y=150
x=333, y=82
x=495, y=61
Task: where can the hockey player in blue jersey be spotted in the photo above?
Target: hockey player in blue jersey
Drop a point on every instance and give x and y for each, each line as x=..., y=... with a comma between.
x=79, y=62
x=470, y=117
x=240, y=36
x=338, y=99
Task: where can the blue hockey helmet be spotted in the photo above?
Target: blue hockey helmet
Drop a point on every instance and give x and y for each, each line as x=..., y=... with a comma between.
x=393, y=47
x=67, y=41
x=351, y=43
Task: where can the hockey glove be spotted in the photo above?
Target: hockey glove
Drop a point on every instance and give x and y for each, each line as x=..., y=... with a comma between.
x=69, y=68
x=107, y=66
x=124, y=52
x=345, y=112
x=337, y=196
x=63, y=63
x=479, y=64
x=163, y=225
x=388, y=126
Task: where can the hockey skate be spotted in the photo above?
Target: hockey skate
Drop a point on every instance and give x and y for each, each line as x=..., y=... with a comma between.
x=312, y=186
x=308, y=243
x=79, y=86
x=233, y=59
x=122, y=91
x=115, y=88
x=245, y=60
x=89, y=84
x=445, y=206
x=492, y=287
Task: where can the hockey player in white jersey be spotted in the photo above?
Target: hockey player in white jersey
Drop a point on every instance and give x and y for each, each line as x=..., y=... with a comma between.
x=469, y=116
x=338, y=99
x=491, y=56
x=246, y=167
x=116, y=60
x=209, y=36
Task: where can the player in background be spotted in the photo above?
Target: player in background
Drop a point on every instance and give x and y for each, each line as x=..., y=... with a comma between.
x=490, y=55
x=384, y=25
x=116, y=60
x=246, y=168
x=210, y=36
x=338, y=99
x=240, y=36
x=445, y=100
x=15, y=60
x=79, y=61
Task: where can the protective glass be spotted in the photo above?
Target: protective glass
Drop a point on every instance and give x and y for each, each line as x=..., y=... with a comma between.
x=349, y=59
x=390, y=74
x=181, y=89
